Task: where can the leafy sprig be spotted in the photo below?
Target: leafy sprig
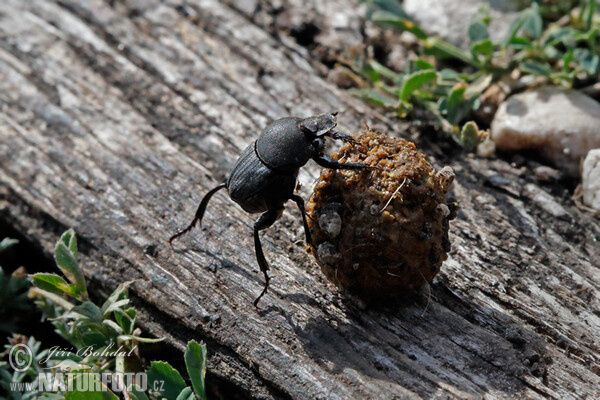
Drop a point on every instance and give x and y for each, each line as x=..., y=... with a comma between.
x=97, y=330
x=535, y=51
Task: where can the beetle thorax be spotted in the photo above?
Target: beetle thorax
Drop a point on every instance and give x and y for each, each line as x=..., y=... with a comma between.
x=284, y=146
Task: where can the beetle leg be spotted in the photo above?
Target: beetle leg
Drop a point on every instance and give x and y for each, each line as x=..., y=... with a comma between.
x=342, y=136
x=263, y=222
x=199, y=213
x=300, y=202
x=328, y=162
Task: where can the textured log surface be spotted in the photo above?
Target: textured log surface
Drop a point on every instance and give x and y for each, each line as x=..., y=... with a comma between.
x=116, y=117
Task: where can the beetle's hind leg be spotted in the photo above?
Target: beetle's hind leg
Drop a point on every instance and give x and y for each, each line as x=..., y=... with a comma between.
x=300, y=202
x=199, y=213
x=263, y=222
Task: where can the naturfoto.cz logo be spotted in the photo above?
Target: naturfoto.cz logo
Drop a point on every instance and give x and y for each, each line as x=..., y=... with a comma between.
x=61, y=374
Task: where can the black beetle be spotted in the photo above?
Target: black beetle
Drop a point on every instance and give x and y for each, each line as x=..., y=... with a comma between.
x=264, y=176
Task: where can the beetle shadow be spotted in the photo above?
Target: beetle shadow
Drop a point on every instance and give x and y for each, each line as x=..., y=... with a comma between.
x=426, y=347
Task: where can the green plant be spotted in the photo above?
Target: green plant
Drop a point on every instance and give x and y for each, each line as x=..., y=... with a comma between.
x=8, y=377
x=13, y=291
x=536, y=51
x=104, y=337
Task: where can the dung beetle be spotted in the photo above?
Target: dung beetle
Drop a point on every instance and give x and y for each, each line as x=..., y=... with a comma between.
x=264, y=176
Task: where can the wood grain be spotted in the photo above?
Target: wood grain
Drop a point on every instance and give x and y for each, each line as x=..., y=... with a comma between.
x=117, y=116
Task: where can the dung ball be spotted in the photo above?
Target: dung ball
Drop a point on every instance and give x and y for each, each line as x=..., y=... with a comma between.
x=381, y=231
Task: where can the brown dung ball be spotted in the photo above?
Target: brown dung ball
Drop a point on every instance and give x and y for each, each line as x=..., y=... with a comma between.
x=381, y=231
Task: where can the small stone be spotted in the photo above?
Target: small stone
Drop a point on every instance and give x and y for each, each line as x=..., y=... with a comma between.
x=444, y=210
x=450, y=19
x=486, y=149
x=591, y=179
x=562, y=125
x=545, y=201
x=330, y=220
x=546, y=174
x=342, y=77
x=328, y=254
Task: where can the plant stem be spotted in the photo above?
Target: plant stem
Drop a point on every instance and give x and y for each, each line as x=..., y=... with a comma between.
x=59, y=301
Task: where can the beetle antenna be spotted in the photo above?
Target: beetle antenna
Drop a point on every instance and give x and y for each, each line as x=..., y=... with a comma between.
x=199, y=213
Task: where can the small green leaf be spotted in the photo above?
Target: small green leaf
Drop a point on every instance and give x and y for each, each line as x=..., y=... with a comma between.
x=92, y=339
x=195, y=362
x=456, y=105
x=520, y=43
x=586, y=61
x=126, y=319
x=448, y=74
x=478, y=32
x=469, y=135
x=442, y=49
x=136, y=393
x=54, y=284
x=423, y=65
x=117, y=305
x=536, y=68
x=529, y=21
x=70, y=240
x=567, y=58
x=385, y=71
x=140, y=339
x=118, y=294
x=186, y=394
x=392, y=6
x=90, y=310
x=533, y=24
x=416, y=80
x=162, y=375
x=91, y=382
x=483, y=48
x=565, y=36
x=65, y=259
x=114, y=326
x=402, y=24
x=374, y=97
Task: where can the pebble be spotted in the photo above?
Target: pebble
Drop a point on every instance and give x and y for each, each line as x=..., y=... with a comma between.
x=546, y=174
x=450, y=19
x=591, y=179
x=561, y=124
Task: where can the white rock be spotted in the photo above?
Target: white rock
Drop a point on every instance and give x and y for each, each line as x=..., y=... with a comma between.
x=328, y=254
x=450, y=19
x=331, y=222
x=562, y=125
x=544, y=200
x=486, y=149
x=590, y=180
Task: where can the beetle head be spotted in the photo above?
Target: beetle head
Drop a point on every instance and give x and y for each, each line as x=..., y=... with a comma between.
x=319, y=125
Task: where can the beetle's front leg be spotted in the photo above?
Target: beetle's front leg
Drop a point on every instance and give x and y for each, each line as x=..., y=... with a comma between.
x=342, y=136
x=328, y=162
x=263, y=222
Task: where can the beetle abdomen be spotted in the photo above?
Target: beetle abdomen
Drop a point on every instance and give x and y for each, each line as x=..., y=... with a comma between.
x=246, y=181
x=255, y=187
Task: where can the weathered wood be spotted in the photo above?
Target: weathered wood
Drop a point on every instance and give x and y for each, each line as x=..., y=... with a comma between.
x=116, y=117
